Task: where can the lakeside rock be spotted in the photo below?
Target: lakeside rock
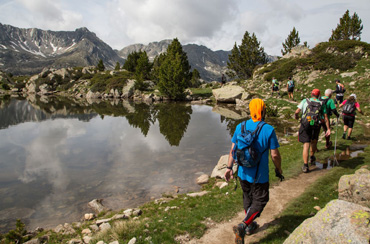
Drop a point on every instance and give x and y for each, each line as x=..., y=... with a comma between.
x=97, y=205
x=228, y=94
x=355, y=188
x=220, y=169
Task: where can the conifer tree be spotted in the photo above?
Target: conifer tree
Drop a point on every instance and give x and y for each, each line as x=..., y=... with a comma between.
x=292, y=41
x=142, y=71
x=247, y=56
x=174, y=71
x=349, y=28
x=100, y=65
x=118, y=66
x=131, y=61
x=195, y=78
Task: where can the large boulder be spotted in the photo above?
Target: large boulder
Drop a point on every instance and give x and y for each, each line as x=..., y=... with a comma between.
x=230, y=113
x=298, y=51
x=129, y=89
x=228, y=94
x=220, y=169
x=338, y=222
x=355, y=188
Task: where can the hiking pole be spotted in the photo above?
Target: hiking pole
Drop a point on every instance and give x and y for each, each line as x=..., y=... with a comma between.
x=236, y=178
x=335, y=144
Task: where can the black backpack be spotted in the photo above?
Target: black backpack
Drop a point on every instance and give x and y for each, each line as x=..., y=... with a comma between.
x=340, y=89
x=311, y=116
x=349, y=108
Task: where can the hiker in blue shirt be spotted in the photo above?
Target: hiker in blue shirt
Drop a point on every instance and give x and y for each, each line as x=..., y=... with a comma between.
x=255, y=180
x=290, y=87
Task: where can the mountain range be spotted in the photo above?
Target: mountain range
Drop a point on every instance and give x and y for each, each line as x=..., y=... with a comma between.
x=29, y=51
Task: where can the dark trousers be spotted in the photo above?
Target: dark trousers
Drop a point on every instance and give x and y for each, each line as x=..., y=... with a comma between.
x=255, y=198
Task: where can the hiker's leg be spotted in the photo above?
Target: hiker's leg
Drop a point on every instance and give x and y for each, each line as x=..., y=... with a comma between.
x=313, y=147
x=247, y=200
x=306, y=148
x=349, y=132
x=260, y=197
x=345, y=128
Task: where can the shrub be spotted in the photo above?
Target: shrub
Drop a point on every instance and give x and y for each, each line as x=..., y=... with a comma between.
x=5, y=86
x=16, y=235
x=271, y=111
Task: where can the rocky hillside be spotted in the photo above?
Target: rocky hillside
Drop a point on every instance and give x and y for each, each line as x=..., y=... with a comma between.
x=28, y=51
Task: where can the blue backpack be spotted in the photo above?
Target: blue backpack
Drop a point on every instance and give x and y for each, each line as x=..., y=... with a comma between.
x=244, y=152
x=291, y=84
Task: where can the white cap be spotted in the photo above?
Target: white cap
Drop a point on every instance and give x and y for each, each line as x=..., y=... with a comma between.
x=328, y=92
x=353, y=95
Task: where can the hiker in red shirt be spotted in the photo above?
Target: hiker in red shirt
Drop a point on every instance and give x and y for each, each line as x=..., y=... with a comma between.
x=349, y=114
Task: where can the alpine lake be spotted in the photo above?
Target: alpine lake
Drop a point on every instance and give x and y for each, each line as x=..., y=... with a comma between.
x=58, y=154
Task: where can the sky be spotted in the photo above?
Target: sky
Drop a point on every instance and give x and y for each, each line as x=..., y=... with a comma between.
x=217, y=24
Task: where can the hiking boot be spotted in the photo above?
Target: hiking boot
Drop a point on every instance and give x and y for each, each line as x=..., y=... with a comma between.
x=305, y=168
x=349, y=138
x=344, y=136
x=329, y=145
x=239, y=231
x=251, y=228
x=313, y=160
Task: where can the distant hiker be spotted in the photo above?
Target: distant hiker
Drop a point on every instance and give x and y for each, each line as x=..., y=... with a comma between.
x=330, y=109
x=309, y=130
x=339, y=90
x=349, y=114
x=223, y=80
x=290, y=87
x=275, y=86
x=254, y=179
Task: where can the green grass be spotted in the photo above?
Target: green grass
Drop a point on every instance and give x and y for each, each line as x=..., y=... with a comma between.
x=202, y=92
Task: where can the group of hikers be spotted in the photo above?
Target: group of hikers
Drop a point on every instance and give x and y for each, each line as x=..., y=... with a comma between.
x=254, y=140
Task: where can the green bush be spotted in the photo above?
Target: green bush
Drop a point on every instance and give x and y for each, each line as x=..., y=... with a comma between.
x=5, y=86
x=271, y=111
x=17, y=235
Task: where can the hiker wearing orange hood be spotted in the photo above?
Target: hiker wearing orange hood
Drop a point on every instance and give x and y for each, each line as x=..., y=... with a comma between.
x=254, y=179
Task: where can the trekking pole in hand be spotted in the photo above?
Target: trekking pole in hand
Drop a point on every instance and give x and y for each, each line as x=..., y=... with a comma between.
x=277, y=174
x=335, y=144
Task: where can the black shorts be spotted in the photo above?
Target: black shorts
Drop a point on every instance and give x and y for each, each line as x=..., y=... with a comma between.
x=291, y=89
x=349, y=120
x=339, y=99
x=276, y=88
x=309, y=134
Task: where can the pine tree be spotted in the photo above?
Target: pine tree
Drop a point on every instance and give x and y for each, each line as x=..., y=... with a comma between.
x=118, y=66
x=131, y=61
x=100, y=65
x=292, y=41
x=247, y=56
x=195, y=78
x=349, y=28
x=142, y=71
x=174, y=71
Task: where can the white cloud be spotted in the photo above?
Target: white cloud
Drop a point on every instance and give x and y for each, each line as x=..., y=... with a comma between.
x=217, y=24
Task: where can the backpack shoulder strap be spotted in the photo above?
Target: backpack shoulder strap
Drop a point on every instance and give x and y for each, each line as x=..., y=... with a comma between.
x=243, y=129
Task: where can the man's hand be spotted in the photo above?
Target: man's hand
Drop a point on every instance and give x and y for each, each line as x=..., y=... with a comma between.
x=327, y=133
x=229, y=175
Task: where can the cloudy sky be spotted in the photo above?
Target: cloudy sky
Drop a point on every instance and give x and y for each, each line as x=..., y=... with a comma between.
x=217, y=24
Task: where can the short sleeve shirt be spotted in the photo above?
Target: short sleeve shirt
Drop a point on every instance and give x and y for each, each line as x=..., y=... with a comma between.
x=330, y=105
x=303, y=106
x=266, y=140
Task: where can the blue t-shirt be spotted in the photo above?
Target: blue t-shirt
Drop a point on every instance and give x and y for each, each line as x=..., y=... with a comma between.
x=266, y=140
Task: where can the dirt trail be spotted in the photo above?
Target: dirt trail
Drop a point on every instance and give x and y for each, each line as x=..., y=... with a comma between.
x=280, y=196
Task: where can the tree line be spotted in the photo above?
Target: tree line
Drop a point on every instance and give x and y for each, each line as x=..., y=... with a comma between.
x=170, y=71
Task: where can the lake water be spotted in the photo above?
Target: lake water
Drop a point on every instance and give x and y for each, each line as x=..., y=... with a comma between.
x=58, y=154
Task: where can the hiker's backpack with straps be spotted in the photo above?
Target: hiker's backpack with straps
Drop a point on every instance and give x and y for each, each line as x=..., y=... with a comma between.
x=349, y=108
x=245, y=152
x=311, y=116
x=290, y=84
x=324, y=103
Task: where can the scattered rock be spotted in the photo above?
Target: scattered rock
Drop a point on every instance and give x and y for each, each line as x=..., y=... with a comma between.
x=75, y=241
x=132, y=241
x=203, y=179
x=221, y=184
x=94, y=227
x=86, y=231
x=317, y=208
x=86, y=239
x=89, y=216
x=105, y=227
x=348, y=74
x=97, y=205
x=33, y=241
x=220, y=169
x=100, y=242
x=114, y=242
x=316, y=198
x=197, y=194
x=137, y=212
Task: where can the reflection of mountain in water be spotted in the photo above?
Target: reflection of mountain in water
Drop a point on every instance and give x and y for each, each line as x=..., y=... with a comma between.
x=17, y=111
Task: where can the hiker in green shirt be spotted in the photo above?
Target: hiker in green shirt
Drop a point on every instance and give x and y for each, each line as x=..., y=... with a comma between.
x=309, y=130
x=275, y=86
x=330, y=109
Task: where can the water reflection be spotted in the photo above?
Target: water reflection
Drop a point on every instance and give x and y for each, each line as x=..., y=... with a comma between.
x=57, y=155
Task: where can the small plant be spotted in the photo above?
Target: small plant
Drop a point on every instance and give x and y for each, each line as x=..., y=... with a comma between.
x=271, y=111
x=17, y=235
x=5, y=86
